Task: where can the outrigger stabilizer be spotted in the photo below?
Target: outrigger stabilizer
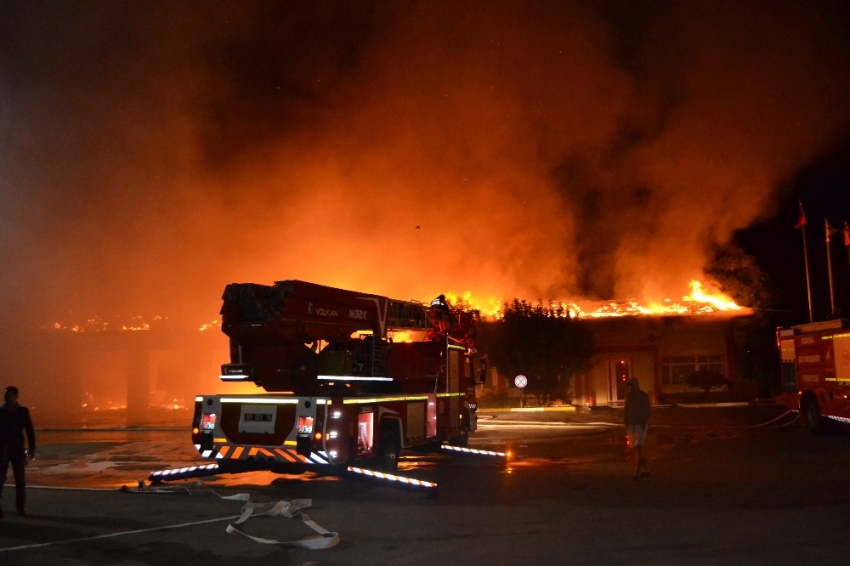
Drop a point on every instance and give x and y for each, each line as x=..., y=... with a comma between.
x=209, y=470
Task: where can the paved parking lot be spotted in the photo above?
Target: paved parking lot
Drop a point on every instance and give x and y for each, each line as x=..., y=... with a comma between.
x=721, y=492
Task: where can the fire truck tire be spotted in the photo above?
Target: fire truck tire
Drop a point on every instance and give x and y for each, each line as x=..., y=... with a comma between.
x=388, y=452
x=463, y=439
x=811, y=414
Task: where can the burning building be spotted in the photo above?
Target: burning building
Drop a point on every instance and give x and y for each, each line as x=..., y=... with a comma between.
x=121, y=369
x=662, y=345
x=660, y=351
x=150, y=156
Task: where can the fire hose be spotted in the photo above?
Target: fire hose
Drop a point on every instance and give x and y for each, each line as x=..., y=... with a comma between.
x=289, y=509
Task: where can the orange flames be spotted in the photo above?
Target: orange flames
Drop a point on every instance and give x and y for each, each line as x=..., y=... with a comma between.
x=96, y=324
x=697, y=302
x=213, y=324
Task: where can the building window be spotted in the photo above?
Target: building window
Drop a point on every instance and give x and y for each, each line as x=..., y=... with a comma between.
x=676, y=369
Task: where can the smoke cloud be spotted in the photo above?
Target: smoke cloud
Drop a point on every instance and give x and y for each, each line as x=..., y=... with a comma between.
x=152, y=153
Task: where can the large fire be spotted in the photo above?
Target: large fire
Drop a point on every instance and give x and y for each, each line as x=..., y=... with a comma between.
x=134, y=323
x=697, y=302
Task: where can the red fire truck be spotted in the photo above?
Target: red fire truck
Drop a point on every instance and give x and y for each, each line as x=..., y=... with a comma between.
x=816, y=371
x=350, y=376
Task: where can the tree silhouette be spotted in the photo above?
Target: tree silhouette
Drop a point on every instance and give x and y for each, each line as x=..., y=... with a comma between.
x=542, y=342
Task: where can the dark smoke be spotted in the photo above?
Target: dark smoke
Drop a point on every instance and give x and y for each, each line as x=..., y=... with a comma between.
x=152, y=153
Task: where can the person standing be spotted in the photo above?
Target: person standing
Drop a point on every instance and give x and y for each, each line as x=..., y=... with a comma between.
x=14, y=420
x=637, y=421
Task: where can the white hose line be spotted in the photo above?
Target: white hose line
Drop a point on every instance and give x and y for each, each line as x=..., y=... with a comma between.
x=792, y=421
x=61, y=488
x=289, y=509
x=771, y=421
x=113, y=535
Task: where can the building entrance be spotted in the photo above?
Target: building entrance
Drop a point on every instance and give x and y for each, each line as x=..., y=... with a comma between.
x=619, y=372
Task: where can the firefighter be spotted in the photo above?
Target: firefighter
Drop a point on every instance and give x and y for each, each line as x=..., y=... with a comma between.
x=442, y=305
x=637, y=421
x=14, y=420
x=441, y=314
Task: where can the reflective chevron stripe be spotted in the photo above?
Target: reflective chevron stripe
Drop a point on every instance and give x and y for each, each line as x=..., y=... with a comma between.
x=475, y=451
x=280, y=454
x=182, y=473
x=391, y=477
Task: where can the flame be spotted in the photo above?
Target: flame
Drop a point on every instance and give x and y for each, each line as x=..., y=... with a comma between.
x=491, y=307
x=697, y=302
x=720, y=302
x=134, y=323
x=212, y=324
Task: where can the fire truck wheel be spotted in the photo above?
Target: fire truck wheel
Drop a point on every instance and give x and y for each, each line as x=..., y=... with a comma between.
x=462, y=440
x=388, y=452
x=812, y=416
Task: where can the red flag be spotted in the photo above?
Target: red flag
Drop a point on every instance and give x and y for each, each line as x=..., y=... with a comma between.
x=802, y=220
x=846, y=235
x=829, y=229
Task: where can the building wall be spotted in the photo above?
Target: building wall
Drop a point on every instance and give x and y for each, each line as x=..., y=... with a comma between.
x=599, y=385
x=650, y=348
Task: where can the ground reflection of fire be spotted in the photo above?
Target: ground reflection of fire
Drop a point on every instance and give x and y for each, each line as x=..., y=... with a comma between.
x=697, y=302
x=159, y=400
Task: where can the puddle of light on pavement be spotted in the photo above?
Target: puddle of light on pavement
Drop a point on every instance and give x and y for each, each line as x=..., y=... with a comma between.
x=115, y=458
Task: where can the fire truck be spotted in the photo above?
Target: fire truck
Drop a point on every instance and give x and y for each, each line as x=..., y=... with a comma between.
x=347, y=376
x=816, y=371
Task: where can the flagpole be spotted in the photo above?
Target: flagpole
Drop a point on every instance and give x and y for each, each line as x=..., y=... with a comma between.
x=847, y=240
x=802, y=224
x=829, y=267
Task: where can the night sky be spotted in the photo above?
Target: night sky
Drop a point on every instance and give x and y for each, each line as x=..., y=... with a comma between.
x=151, y=153
x=824, y=187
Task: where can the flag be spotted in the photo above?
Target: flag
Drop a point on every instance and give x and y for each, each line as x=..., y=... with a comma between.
x=846, y=235
x=802, y=220
x=829, y=229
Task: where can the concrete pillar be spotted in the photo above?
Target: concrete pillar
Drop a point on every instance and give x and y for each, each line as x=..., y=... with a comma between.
x=138, y=386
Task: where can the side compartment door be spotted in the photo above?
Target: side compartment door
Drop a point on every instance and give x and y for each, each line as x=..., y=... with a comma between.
x=454, y=382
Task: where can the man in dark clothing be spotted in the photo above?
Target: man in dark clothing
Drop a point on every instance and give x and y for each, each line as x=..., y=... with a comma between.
x=14, y=420
x=637, y=420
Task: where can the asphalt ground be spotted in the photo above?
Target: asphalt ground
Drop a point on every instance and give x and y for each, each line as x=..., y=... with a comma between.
x=722, y=491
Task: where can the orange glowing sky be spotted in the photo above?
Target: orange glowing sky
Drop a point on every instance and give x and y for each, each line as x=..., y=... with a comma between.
x=151, y=155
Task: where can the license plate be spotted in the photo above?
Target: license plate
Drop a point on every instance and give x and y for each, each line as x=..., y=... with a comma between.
x=259, y=417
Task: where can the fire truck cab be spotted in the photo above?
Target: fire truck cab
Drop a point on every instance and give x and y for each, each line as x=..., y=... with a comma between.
x=816, y=371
